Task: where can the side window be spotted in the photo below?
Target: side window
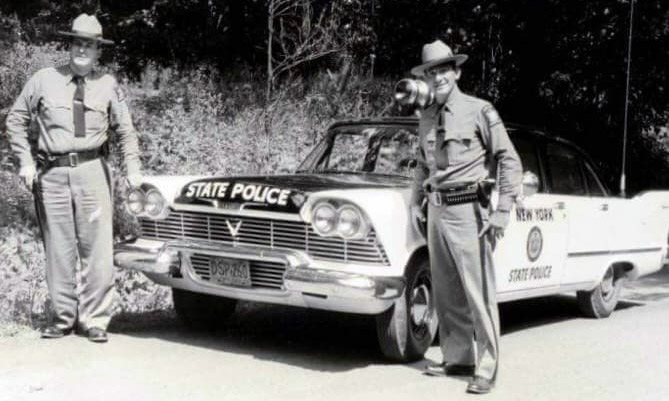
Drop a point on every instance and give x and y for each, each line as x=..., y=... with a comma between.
x=594, y=185
x=565, y=173
x=528, y=155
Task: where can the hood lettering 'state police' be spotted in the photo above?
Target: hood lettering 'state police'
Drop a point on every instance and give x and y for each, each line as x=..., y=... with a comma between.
x=239, y=191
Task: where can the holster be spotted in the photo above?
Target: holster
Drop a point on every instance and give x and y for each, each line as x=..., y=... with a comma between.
x=40, y=162
x=104, y=150
x=484, y=189
x=38, y=201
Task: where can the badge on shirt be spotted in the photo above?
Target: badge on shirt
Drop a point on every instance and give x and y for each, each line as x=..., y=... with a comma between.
x=491, y=115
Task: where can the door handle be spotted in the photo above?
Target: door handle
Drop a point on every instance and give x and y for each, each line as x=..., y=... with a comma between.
x=604, y=207
x=559, y=205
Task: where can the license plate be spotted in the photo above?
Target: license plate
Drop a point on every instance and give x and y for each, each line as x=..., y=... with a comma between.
x=235, y=272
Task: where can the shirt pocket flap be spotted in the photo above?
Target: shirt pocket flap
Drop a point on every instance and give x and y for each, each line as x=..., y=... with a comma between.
x=463, y=136
x=57, y=103
x=96, y=105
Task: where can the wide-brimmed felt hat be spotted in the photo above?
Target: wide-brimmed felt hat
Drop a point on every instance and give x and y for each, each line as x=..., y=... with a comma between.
x=87, y=27
x=437, y=53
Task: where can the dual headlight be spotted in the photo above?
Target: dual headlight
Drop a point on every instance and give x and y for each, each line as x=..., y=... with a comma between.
x=345, y=220
x=150, y=203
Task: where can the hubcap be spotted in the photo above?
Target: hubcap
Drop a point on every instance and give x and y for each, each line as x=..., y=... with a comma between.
x=421, y=307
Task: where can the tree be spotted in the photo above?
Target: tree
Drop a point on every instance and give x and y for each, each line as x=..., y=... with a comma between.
x=297, y=35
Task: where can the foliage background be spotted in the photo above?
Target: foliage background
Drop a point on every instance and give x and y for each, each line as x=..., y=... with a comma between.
x=196, y=73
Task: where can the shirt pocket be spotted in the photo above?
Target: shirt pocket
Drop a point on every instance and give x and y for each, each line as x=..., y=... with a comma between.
x=56, y=112
x=460, y=146
x=96, y=115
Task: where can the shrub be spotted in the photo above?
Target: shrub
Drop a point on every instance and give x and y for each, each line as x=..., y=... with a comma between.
x=198, y=122
x=20, y=61
x=23, y=295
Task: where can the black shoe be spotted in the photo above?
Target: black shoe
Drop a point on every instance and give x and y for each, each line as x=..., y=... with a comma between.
x=435, y=369
x=480, y=385
x=449, y=369
x=97, y=335
x=459, y=370
x=54, y=332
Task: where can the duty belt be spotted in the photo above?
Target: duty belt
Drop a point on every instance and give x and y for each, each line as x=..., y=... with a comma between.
x=455, y=195
x=72, y=159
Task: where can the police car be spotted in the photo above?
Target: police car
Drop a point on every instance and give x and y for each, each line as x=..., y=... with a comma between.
x=337, y=234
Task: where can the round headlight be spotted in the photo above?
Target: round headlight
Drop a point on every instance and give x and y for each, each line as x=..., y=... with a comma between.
x=349, y=222
x=135, y=201
x=324, y=219
x=154, y=203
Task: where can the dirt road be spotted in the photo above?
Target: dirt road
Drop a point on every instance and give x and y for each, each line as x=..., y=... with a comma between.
x=548, y=352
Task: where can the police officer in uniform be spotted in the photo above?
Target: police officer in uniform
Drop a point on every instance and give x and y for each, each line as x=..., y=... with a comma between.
x=73, y=106
x=463, y=145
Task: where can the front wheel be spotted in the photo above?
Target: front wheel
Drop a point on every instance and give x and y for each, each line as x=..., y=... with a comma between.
x=202, y=311
x=407, y=329
x=601, y=301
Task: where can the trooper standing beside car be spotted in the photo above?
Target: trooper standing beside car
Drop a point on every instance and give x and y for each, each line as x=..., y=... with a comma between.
x=463, y=144
x=73, y=106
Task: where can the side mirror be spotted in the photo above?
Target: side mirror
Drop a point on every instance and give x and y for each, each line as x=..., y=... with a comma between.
x=530, y=183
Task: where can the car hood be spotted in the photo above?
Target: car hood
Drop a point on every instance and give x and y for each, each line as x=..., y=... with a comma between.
x=284, y=193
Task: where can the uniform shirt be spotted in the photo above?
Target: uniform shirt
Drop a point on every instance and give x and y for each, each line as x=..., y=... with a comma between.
x=464, y=141
x=48, y=98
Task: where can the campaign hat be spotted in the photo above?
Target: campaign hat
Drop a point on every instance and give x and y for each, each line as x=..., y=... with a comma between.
x=87, y=27
x=437, y=53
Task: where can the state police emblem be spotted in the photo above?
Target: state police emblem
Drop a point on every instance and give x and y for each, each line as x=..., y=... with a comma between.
x=535, y=243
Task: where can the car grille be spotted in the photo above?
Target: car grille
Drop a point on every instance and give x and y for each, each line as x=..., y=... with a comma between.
x=271, y=233
x=263, y=274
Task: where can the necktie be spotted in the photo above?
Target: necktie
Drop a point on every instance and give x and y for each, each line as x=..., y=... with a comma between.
x=440, y=151
x=78, y=109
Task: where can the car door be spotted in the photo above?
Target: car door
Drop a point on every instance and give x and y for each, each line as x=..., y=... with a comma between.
x=620, y=219
x=579, y=193
x=530, y=258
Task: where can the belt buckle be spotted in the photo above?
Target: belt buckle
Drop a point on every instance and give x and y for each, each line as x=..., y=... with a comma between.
x=74, y=159
x=435, y=197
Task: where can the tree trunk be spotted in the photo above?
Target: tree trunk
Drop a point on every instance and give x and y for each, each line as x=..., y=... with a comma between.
x=270, y=39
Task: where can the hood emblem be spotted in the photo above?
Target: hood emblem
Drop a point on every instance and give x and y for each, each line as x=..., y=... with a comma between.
x=298, y=199
x=234, y=229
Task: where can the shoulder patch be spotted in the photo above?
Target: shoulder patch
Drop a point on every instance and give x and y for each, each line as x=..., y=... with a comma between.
x=120, y=93
x=491, y=115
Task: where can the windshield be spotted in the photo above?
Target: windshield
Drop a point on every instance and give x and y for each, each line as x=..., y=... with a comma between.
x=362, y=149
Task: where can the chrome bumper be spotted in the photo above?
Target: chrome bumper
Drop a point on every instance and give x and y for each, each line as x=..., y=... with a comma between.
x=145, y=256
x=304, y=283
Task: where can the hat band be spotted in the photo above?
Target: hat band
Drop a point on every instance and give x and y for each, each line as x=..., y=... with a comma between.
x=95, y=36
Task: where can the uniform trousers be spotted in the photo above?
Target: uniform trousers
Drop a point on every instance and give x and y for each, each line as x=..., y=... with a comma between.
x=75, y=211
x=463, y=279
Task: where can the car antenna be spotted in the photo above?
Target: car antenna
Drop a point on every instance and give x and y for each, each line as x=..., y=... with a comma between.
x=627, y=94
